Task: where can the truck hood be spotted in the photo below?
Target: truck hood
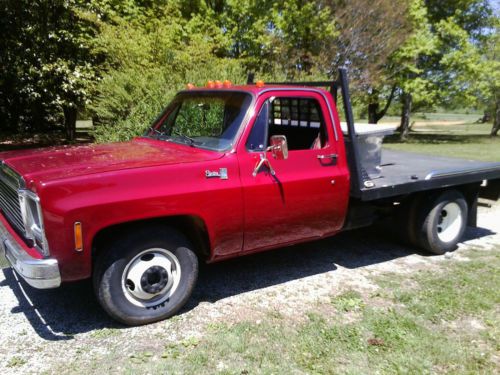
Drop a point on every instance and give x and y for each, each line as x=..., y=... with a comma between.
x=54, y=163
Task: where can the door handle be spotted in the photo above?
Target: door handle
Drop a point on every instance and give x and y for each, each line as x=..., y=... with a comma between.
x=329, y=156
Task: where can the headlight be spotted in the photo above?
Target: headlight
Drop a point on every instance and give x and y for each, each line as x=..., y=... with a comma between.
x=33, y=220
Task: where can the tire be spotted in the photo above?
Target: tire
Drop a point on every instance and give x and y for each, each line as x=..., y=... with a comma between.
x=404, y=220
x=439, y=222
x=145, y=276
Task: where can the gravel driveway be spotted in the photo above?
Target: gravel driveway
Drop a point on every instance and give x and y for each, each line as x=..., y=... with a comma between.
x=41, y=330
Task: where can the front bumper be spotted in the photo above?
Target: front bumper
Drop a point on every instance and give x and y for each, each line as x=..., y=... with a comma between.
x=39, y=273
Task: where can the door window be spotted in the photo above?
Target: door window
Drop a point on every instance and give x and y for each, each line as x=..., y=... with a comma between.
x=300, y=120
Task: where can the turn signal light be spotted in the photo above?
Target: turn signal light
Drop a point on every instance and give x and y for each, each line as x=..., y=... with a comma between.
x=78, y=237
x=259, y=83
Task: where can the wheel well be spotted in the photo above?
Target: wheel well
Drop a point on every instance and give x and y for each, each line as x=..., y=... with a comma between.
x=192, y=227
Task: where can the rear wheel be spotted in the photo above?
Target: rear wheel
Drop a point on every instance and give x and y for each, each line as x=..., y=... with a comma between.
x=439, y=223
x=145, y=276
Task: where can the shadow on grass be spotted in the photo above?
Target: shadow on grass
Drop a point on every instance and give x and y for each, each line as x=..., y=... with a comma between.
x=433, y=138
x=59, y=314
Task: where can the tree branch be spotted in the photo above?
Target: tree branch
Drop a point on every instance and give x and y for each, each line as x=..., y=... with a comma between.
x=382, y=113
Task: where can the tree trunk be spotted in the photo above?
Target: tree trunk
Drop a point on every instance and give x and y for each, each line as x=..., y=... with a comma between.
x=70, y=122
x=372, y=113
x=496, y=120
x=404, y=128
x=37, y=117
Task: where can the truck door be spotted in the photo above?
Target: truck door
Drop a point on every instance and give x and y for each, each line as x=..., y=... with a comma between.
x=307, y=196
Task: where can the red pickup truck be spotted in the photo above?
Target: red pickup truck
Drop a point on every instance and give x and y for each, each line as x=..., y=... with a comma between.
x=224, y=171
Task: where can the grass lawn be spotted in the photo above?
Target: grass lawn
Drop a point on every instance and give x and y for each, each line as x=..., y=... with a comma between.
x=466, y=140
x=422, y=322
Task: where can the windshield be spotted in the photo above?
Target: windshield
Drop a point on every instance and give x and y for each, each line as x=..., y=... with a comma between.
x=202, y=119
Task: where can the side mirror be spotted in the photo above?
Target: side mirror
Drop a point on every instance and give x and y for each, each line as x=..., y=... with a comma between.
x=279, y=147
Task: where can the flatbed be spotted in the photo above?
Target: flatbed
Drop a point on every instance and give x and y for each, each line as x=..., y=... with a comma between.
x=407, y=172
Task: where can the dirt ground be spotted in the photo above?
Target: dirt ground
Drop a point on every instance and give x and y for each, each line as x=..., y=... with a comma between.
x=41, y=330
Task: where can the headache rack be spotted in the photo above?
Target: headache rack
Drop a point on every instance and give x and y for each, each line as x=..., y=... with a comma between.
x=358, y=175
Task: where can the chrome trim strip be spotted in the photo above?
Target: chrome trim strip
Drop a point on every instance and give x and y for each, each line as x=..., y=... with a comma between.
x=454, y=172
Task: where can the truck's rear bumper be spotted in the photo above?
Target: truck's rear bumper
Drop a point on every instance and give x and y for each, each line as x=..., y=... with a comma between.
x=39, y=273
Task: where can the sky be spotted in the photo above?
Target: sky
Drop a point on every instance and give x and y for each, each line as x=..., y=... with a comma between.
x=495, y=4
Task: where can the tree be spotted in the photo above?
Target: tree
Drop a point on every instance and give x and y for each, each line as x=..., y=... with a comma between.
x=369, y=33
x=150, y=56
x=277, y=36
x=490, y=76
x=442, y=62
x=47, y=66
x=462, y=29
x=406, y=65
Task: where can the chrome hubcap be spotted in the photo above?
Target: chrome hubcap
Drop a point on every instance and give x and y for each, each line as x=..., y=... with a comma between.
x=151, y=277
x=449, y=222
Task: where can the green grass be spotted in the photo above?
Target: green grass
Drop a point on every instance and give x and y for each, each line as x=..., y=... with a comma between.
x=468, y=141
x=433, y=322
x=470, y=118
x=445, y=116
x=3, y=262
x=16, y=362
x=446, y=134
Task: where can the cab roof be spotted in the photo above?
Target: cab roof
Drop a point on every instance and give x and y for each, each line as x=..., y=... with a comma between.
x=254, y=89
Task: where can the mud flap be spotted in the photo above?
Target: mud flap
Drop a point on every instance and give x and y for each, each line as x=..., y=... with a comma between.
x=491, y=190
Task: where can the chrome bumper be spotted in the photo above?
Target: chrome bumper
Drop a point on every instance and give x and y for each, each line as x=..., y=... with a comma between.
x=39, y=273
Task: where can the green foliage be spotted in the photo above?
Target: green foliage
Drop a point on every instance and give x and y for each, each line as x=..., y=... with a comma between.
x=46, y=61
x=16, y=362
x=457, y=69
x=405, y=63
x=278, y=36
x=348, y=301
x=443, y=61
x=148, y=61
x=122, y=61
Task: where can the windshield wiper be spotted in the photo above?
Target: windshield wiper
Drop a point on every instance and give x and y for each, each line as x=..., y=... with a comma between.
x=164, y=136
x=190, y=141
x=157, y=132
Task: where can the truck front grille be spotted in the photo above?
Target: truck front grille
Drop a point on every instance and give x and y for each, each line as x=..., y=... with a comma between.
x=10, y=182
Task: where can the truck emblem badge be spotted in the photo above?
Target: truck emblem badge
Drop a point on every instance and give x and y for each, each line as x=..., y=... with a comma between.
x=222, y=174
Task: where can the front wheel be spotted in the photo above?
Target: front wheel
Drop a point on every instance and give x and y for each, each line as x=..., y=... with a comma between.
x=145, y=276
x=441, y=222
